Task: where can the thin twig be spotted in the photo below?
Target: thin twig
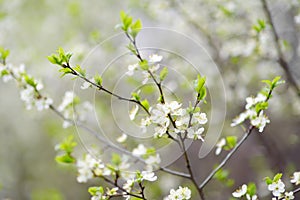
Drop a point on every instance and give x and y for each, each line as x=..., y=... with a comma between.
x=101, y=88
x=188, y=166
x=281, y=60
x=225, y=160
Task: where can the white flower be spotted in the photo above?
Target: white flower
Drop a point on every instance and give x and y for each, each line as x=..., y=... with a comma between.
x=128, y=185
x=254, y=197
x=153, y=160
x=67, y=100
x=149, y=176
x=154, y=58
x=250, y=102
x=296, y=178
x=86, y=167
x=288, y=195
x=240, y=119
x=179, y=194
x=131, y=69
x=277, y=188
x=27, y=95
x=42, y=103
x=260, y=122
x=159, y=131
x=200, y=118
x=240, y=191
x=133, y=112
x=139, y=151
x=85, y=85
x=122, y=138
x=196, y=135
x=220, y=145
x=112, y=191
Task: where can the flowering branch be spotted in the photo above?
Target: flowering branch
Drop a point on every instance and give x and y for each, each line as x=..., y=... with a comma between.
x=281, y=60
x=226, y=159
x=259, y=104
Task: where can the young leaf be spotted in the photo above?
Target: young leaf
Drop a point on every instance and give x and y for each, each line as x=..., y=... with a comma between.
x=81, y=71
x=144, y=65
x=277, y=177
x=135, y=28
x=268, y=180
x=136, y=96
x=163, y=74
x=65, y=158
x=98, y=79
x=145, y=103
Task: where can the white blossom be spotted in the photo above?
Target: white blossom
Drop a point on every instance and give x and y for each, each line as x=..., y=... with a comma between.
x=154, y=58
x=139, y=151
x=254, y=197
x=182, y=193
x=220, y=145
x=277, y=188
x=131, y=69
x=133, y=112
x=86, y=167
x=196, y=135
x=148, y=176
x=288, y=195
x=67, y=100
x=260, y=121
x=296, y=178
x=241, y=191
x=122, y=138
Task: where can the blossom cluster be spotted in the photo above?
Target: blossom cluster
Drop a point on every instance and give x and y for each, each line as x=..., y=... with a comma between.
x=182, y=193
x=152, y=159
x=256, y=116
x=154, y=65
x=67, y=107
x=185, y=121
x=29, y=87
x=275, y=185
x=90, y=167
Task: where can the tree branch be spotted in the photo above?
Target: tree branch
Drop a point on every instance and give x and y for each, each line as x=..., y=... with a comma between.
x=281, y=60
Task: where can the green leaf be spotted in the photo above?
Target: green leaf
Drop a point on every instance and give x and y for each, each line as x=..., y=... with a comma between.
x=30, y=81
x=163, y=74
x=98, y=79
x=95, y=190
x=251, y=189
x=221, y=175
x=230, y=142
x=54, y=59
x=116, y=159
x=136, y=96
x=199, y=87
x=65, y=158
x=135, y=28
x=260, y=26
x=4, y=53
x=126, y=20
x=277, y=177
x=65, y=71
x=68, y=144
x=261, y=106
x=144, y=65
x=268, y=180
x=146, y=104
x=81, y=71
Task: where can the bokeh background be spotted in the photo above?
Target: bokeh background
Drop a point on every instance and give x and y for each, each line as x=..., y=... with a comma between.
x=34, y=29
